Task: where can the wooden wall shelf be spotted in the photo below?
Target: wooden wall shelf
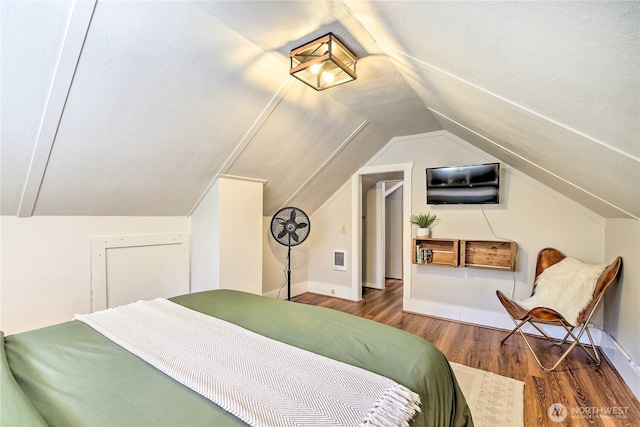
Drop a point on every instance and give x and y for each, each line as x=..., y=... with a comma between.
x=487, y=254
x=491, y=254
x=444, y=252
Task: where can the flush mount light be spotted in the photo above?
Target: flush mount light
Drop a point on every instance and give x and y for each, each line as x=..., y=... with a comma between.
x=323, y=63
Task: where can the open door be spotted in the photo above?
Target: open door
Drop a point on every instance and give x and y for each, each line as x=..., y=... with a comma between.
x=373, y=236
x=394, y=225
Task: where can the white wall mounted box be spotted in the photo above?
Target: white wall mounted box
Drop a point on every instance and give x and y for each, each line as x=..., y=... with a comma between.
x=339, y=260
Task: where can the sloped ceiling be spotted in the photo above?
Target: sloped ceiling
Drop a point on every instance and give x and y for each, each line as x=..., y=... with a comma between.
x=134, y=108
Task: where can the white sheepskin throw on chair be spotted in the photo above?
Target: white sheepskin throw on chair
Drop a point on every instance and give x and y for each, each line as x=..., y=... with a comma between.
x=566, y=287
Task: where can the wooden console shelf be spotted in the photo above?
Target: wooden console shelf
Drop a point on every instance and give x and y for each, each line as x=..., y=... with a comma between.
x=488, y=254
x=491, y=254
x=444, y=252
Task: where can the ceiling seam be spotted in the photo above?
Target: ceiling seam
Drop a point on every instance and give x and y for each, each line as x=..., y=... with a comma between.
x=512, y=103
x=532, y=163
x=326, y=162
x=247, y=138
x=68, y=60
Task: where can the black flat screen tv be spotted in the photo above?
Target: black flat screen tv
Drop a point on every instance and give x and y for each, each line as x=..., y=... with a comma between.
x=472, y=184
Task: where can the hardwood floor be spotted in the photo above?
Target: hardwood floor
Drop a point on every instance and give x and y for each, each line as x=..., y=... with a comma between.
x=593, y=397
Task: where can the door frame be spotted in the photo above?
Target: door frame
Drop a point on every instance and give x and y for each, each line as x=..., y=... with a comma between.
x=356, y=225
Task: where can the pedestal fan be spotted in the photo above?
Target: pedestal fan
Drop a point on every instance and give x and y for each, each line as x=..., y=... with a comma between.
x=290, y=226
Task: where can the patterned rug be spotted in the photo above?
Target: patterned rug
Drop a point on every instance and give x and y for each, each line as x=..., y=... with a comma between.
x=495, y=401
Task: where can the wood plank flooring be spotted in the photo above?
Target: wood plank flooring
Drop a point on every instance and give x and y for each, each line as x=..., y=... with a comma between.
x=593, y=397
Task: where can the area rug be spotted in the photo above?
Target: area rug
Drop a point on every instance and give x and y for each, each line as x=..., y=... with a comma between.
x=494, y=400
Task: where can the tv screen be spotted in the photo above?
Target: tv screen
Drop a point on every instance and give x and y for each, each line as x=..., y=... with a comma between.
x=472, y=184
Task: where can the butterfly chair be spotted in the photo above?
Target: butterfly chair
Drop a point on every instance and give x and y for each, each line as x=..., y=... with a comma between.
x=522, y=313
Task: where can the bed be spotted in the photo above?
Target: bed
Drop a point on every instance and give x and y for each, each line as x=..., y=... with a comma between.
x=71, y=375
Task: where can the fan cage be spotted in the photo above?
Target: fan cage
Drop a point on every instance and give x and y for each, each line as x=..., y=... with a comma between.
x=290, y=226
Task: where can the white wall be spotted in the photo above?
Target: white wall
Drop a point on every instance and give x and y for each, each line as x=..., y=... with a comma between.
x=274, y=258
x=205, y=246
x=241, y=235
x=46, y=267
x=330, y=230
x=228, y=237
x=622, y=317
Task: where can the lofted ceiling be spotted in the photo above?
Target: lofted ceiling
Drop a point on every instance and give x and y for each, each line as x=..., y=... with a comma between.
x=134, y=107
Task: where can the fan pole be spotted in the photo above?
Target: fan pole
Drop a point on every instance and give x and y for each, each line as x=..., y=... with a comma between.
x=289, y=273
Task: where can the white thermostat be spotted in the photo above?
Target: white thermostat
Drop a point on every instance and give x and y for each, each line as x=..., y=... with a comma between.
x=339, y=261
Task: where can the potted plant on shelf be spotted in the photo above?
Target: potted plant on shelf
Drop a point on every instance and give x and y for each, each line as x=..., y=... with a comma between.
x=424, y=223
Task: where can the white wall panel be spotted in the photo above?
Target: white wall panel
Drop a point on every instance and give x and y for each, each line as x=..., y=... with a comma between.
x=46, y=264
x=126, y=269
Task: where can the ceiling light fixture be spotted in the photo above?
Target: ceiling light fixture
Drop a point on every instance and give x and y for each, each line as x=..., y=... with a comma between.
x=323, y=63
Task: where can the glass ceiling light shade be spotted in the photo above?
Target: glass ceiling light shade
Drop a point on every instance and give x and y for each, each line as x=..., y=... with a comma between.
x=323, y=63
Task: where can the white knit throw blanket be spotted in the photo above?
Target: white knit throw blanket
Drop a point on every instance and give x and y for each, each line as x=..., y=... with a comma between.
x=566, y=287
x=259, y=380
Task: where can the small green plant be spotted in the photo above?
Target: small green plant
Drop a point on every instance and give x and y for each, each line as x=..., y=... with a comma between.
x=423, y=220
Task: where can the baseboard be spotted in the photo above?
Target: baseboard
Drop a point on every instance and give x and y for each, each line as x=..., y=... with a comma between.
x=486, y=318
x=624, y=364
x=296, y=289
x=372, y=285
x=330, y=290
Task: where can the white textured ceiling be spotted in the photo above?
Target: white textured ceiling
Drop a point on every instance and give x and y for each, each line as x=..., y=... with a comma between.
x=134, y=107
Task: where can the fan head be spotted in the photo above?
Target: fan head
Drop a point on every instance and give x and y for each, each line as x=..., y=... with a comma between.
x=290, y=226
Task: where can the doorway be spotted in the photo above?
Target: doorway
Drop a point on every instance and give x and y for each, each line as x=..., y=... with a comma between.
x=381, y=231
x=375, y=174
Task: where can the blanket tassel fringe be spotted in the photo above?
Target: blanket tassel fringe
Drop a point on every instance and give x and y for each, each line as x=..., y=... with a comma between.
x=396, y=408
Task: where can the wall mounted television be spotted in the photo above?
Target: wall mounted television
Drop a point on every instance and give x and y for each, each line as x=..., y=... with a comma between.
x=471, y=184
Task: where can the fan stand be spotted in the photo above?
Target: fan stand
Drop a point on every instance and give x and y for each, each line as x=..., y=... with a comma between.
x=289, y=271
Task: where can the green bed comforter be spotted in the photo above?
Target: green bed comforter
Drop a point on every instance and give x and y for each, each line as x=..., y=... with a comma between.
x=70, y=375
